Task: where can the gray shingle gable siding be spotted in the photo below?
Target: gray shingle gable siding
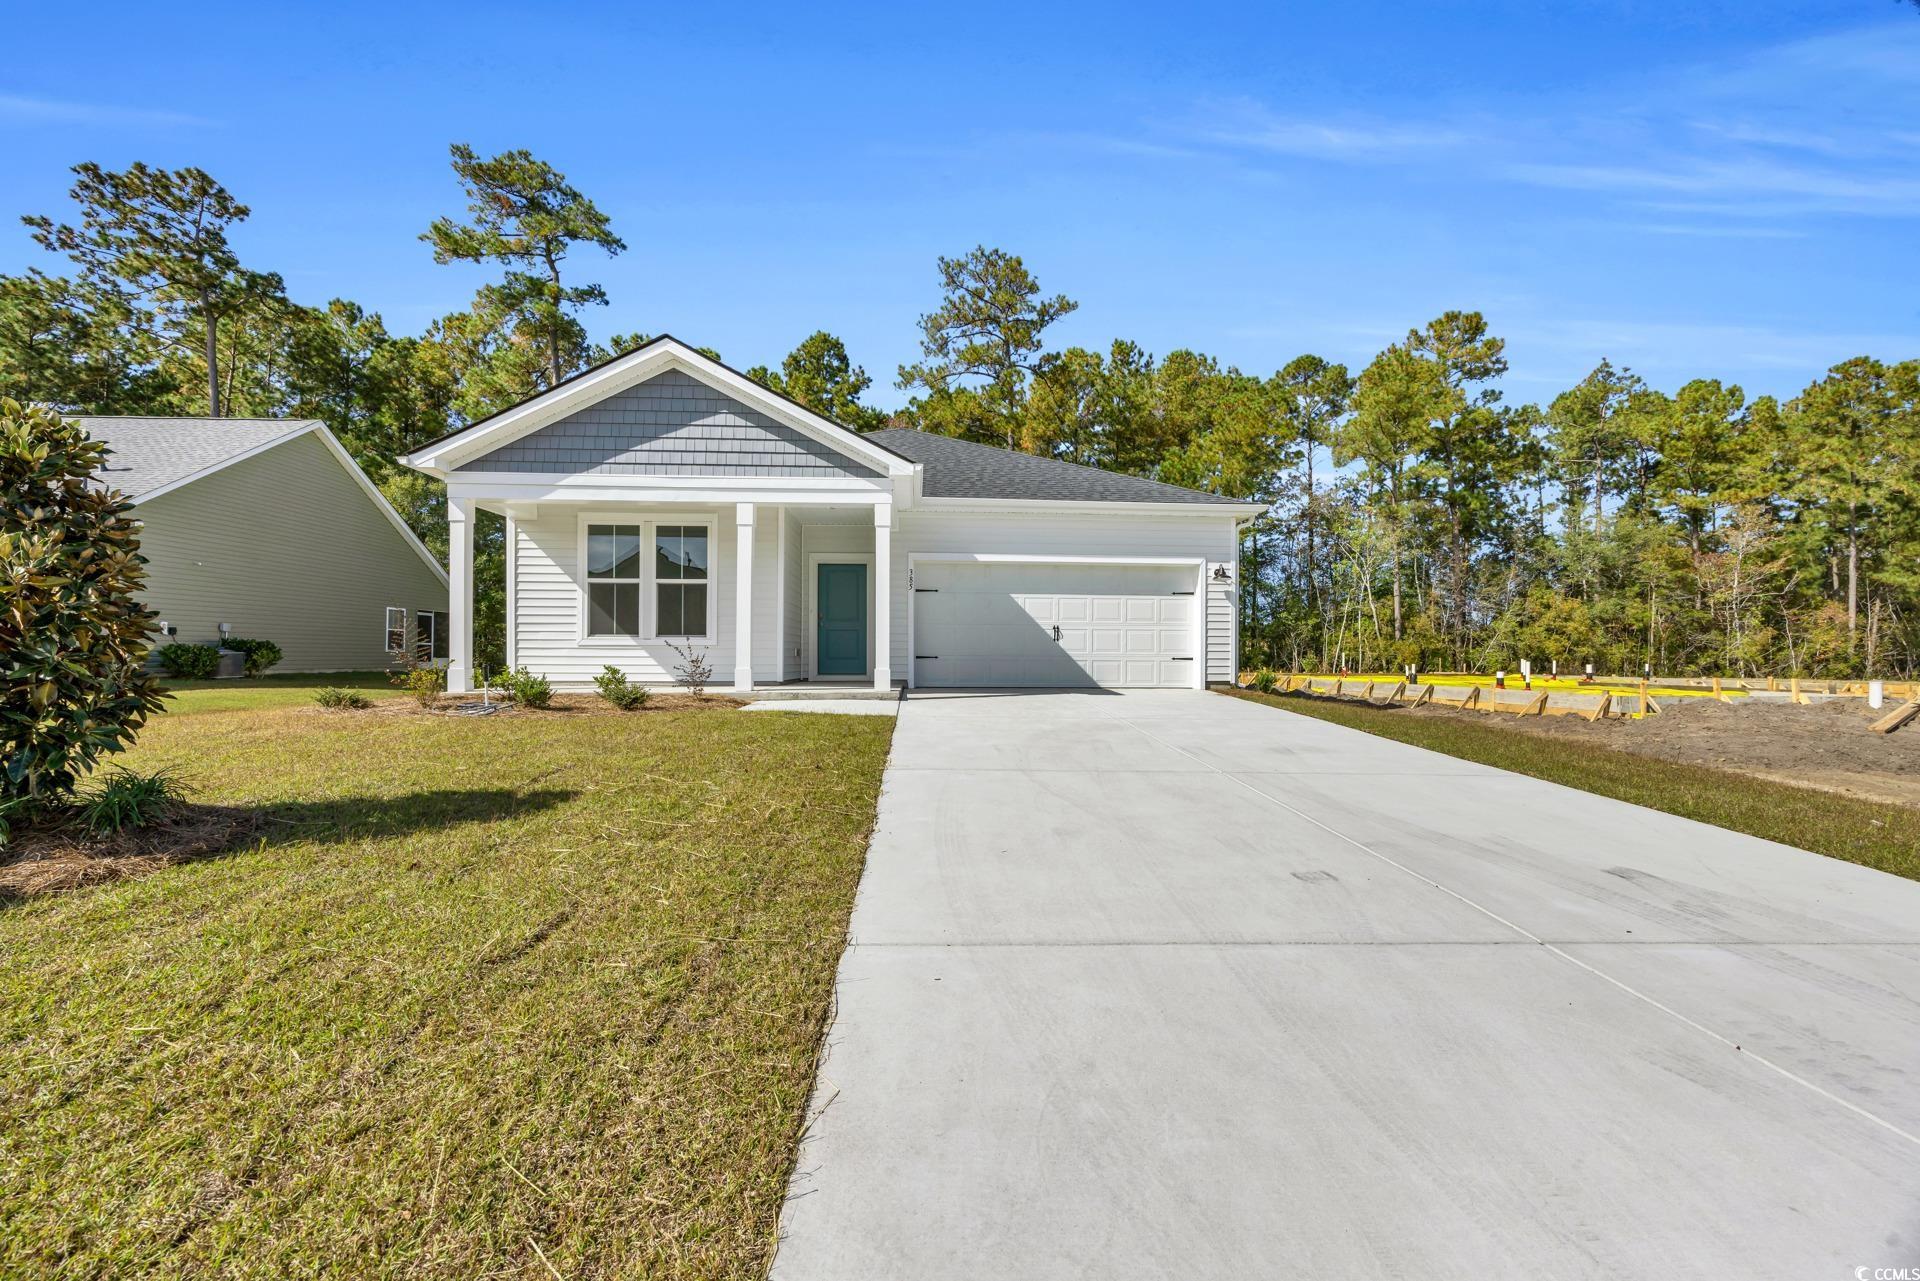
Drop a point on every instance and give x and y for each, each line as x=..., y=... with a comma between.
x=962, y=469
x=670, y=425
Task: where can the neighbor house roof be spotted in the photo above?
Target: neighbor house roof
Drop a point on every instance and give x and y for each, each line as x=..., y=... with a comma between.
x=954, y=468
x=151, y=454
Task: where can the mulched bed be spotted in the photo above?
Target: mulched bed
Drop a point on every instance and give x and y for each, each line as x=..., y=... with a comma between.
x=562, y=705
x=49, y=860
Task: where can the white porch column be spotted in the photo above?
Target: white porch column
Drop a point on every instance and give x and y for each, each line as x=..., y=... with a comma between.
x=460, y=514
x=883, y=596
x=743, y=597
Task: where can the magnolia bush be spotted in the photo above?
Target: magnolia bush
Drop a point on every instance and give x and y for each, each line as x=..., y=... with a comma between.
x=73, y=638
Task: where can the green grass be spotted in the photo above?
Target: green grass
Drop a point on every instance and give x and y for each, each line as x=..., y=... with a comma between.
x=1881, y=836
x=507, y=997
x=252, y=693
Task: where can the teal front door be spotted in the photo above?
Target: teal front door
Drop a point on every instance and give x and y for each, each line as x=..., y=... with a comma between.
x=841, y=596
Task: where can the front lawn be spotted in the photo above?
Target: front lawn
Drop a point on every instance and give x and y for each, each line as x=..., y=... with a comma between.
x=509, y=997
x=272, y=690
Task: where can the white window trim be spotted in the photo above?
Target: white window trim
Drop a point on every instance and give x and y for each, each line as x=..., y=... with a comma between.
x=649, y=608
x=386, y=634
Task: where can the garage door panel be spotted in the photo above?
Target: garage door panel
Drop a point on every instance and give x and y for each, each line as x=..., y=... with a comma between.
x=996, y=624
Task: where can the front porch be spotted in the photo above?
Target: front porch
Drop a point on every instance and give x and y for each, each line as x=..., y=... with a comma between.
x=792, y=598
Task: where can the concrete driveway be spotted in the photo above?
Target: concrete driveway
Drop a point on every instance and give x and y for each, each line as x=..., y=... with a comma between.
x=1174, y=985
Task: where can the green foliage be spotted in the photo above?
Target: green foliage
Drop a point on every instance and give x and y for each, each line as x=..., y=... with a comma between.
x=121, y=798
x=188, y=662
x=260, y=655
x=335, y=699
x=527, y=217
x=1265, y=680
x=423, y=682
x=526, y=689
x=819, y=374
x=155, y=241
x=73, y=635
x=981, y=346
x=618, y=690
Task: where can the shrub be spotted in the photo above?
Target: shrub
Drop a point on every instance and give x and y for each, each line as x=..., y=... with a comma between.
x=73, y=633
x=424, y=683
x=1264, y=680
x=259, y=654
x=526, y=689
x=342, y=700
x=695, y=669
x=618, y=690
x=188, y=662
x=125, y=798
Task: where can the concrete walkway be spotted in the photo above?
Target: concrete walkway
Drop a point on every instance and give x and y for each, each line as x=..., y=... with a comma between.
x=1175, y=985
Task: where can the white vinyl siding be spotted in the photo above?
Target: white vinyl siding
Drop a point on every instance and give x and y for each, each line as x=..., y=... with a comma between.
x=794, y=571
x=547, y=620
x=547, y=610
x=1120, y=534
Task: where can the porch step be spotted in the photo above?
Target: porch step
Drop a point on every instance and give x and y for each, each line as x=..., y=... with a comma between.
x=776, y=693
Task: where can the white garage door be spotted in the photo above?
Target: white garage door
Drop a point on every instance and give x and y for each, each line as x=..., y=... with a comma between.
x=1053, y=625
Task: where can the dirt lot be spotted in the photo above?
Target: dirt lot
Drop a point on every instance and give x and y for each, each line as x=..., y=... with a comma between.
x=1824, y=745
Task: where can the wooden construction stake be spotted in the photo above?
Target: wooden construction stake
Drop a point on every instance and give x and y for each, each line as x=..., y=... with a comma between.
x=1338, y=685
x=1472, y=699
x=1644, y=700
x=1719, y=693
x=1600, y=708
x=1424, y=697
x=1538, y=707
x=1367, y=693
x=1398, y=690
x=1899, y=716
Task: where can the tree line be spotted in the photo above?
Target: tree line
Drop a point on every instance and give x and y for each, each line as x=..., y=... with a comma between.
x=1417, y=516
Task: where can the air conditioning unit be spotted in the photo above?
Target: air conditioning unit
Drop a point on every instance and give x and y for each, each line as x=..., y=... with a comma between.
x=233, y=664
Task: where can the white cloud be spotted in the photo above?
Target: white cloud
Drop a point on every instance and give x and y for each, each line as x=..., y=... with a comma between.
x=29, y=110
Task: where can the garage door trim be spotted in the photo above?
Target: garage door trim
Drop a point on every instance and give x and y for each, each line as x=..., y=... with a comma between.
x=1197, y=564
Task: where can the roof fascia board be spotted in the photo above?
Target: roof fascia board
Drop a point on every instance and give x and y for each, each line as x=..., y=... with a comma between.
x=1081, y=507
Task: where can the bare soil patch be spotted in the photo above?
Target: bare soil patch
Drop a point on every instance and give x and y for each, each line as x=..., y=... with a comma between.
x=1821, y=745
x=48, y=860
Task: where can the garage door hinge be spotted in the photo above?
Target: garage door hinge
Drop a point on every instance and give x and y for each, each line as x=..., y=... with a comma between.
x=935, y=589
x=933, y=656
x=1187, y=659
x=1180, y=593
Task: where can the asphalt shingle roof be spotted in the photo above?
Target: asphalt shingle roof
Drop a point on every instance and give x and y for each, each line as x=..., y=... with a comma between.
x=150, y=453
x=956, y=468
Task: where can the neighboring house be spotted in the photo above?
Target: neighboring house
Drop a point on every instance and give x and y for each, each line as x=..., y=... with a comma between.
x=268, y=526
x=663, y=499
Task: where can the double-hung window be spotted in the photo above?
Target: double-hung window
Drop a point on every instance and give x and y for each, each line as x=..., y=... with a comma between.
x=613, y=580
x=396, y=630
x=680, y=580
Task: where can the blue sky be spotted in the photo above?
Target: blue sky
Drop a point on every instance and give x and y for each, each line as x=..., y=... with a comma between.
x=1724, y=189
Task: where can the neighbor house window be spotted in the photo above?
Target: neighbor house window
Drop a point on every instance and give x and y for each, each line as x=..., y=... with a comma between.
x=396, y=630
x=613, y=580
x=429, y=635
x=680, y=580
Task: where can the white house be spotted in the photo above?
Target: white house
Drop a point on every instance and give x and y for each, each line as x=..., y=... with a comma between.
x=664, y=500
